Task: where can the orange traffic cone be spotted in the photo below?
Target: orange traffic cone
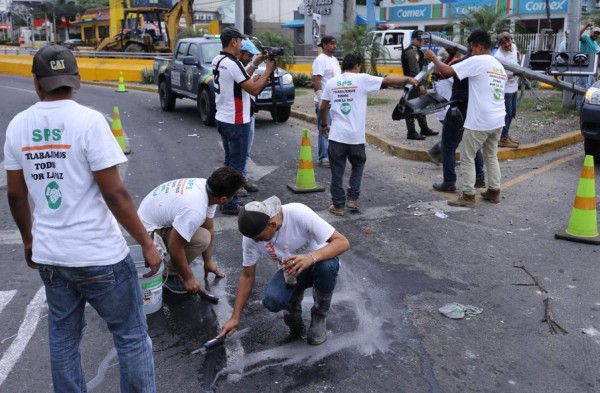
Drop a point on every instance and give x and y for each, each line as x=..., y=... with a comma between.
x=583, y=225
x=121, y=88
x=117, y=130
x=305, y=179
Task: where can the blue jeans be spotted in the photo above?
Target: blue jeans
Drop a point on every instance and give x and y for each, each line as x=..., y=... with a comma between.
x=114, y=292
x=338, y=153
x=235, y=143
x=323, y=140
x=321, y=275
x=250, y=142
x=452, y=133
x=510, y=103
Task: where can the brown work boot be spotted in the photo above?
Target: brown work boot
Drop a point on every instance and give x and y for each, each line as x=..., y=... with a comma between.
x=506, y=142
x=491, y=195
x=513, y=140
x=338, y=211
x=352, y=204
x=464, y=200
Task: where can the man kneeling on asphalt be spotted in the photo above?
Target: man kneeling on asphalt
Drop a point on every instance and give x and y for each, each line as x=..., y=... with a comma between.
x=271, y=229
x=181, y=212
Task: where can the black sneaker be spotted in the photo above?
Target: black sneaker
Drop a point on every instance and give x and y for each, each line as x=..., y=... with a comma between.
x=429, y=132
x=250, y=187
x=443, y=187
x=230, y=211
x=480, y=183
x=414, y=136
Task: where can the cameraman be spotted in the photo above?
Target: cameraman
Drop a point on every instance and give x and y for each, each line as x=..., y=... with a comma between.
x=248, y=59
x=233, y=88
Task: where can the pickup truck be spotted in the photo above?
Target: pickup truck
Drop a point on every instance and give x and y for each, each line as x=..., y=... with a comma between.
x=188, y=74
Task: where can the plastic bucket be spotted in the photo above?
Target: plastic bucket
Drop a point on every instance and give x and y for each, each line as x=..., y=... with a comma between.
x=151, y=286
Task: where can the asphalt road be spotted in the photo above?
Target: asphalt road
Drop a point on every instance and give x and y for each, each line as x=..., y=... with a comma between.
x=385, y=331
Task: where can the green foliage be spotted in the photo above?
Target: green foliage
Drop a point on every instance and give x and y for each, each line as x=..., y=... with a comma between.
x=301, y=79
x=356, y=40
x=148, y=76
x=275, y=39
x=485, y=18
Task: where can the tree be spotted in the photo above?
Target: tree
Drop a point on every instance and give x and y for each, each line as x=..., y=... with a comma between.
x=485, y=18
x=355, y=39
x=278, y=40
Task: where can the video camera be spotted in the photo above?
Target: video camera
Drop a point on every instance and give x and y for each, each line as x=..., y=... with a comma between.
x=272, y=52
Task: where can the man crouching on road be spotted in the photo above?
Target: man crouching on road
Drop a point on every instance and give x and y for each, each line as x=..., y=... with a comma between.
x=181, y=212
x=271, y=229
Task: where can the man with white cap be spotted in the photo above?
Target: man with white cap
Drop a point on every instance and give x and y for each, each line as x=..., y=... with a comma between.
x=74, y=240
x=271, y=229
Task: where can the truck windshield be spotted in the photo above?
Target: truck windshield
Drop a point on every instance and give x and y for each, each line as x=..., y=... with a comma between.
x=210, y=51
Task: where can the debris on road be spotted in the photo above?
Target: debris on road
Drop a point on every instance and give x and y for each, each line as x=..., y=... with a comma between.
x=534, y=278
x=549, y=318
x=459, y=311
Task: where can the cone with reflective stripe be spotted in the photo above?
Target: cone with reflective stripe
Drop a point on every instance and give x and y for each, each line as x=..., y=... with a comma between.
x=121, y=88
x=305, y=179
x=583, y=225
x=117, y=130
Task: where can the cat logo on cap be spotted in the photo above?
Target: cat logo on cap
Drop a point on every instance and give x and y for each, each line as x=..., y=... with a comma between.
x=57, y=65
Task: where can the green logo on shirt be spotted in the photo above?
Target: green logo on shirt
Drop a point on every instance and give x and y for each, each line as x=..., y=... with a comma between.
x=345, y=109
x=53, y=195
x=498, y=94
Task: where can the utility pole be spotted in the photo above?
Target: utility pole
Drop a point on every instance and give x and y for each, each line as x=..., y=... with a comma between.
x=239, y=15
x=370, y=15
x=573, y=26
x=349, y=16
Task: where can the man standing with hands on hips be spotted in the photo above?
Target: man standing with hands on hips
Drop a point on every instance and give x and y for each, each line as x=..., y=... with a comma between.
x=325, y=67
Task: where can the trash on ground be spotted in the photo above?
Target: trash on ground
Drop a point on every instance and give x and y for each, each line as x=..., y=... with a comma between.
x=441, y=215
x=459, y=311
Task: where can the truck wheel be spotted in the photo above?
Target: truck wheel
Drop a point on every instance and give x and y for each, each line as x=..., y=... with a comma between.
x=167, y=99
x=206, y=107
x=592, y=148
x=283, y=114
x=134, y=48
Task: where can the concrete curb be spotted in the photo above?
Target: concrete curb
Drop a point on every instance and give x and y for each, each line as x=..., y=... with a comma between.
x=410, y=153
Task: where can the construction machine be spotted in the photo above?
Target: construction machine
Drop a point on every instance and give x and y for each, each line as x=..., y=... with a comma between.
x=183, y=8
x=133, y=38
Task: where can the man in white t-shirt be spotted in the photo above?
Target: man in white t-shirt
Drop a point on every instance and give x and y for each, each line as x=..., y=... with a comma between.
x=345, y=97
x=324, y=67
x=182, y=213
x=233, y=87
x=485, y=115
x=507, y=52
x=303, y=245
x=64, y=157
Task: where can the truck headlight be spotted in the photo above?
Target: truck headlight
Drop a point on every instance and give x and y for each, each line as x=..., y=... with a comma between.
x=288, y=80
x=592, y=96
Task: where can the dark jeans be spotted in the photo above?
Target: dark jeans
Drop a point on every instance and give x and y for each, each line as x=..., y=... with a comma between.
x=323, y=141
x=452, y=133
x=510, y=102
x=338, y=153
x=114, y=292
x=235, y=139
x=321, y=275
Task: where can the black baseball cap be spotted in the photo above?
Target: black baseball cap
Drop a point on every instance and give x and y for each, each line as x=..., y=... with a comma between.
x=55, y=66
x=229, y=33
x=327, y=39
x=417, y=34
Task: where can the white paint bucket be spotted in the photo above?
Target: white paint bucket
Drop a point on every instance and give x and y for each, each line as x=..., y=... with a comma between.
x=151, y=286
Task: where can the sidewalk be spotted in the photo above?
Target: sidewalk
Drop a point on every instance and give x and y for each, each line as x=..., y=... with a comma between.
x=390, y=136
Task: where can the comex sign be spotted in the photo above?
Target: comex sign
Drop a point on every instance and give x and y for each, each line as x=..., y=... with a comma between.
x=536, y=6
x=417, y=12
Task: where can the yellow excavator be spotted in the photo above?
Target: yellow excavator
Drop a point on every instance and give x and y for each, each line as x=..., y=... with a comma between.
x=133, y=37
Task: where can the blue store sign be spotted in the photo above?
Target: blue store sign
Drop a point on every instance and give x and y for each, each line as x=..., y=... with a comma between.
x=410, y=12
x=539, y=6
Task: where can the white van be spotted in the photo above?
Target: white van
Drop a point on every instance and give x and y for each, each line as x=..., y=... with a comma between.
x=393, y=41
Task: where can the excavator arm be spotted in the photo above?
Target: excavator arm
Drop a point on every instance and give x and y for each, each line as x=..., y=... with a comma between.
x=172, y=17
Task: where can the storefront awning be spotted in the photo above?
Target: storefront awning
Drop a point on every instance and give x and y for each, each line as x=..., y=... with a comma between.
x=295, y=24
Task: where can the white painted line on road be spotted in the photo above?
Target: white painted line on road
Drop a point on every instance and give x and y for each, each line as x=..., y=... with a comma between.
x=255, y=172
x=102, y=369
x=28, y=326
x=2, y=175
x=16, y=88
x=6, y=297
x=10, y=237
